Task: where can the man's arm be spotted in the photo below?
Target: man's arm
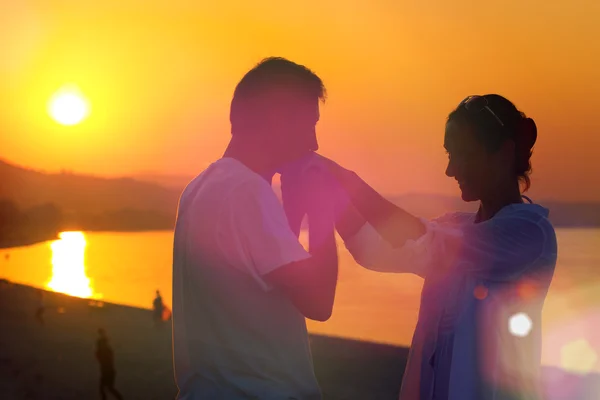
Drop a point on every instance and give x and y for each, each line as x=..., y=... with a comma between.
x=254, y=226
x=311, y=283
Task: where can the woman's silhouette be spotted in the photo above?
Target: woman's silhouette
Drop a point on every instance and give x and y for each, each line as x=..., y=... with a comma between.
x=486, y=274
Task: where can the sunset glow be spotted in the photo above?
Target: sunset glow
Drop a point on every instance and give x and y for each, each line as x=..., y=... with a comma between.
x=164, y=74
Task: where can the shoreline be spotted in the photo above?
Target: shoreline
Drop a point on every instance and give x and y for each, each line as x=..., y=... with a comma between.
x=14, y=244
x=30, y=242
x=56, y=360
x=6, y=245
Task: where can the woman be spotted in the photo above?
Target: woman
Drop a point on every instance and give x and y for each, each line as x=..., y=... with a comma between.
x=486, y=274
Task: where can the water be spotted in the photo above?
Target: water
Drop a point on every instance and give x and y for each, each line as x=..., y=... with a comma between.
x=127, y=268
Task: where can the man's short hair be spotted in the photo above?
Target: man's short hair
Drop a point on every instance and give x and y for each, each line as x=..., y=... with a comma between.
x=272, y=72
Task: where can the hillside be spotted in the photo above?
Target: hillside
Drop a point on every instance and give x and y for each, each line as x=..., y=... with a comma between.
x=561, y=214
x=83, y=193
x=128, y=204
x=35, y=206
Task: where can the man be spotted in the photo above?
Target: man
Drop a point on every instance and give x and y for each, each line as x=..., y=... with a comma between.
x=104, y=355
x=157, y=309
x=242, y=282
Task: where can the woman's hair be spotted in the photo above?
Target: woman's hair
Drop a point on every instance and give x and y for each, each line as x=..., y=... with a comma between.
x=515, y=126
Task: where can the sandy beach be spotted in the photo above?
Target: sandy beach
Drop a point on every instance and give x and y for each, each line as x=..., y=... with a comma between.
x=56, y=360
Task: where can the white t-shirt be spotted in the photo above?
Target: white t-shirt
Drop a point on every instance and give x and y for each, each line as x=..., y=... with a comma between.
x=235, y=336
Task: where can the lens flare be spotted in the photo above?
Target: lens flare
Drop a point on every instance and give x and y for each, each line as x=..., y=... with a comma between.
x=520, y=324
x=578, y=356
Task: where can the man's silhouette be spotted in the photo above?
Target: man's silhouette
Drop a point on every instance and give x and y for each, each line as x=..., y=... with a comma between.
x=158, y=308
x=242, y=282
x=104, y=355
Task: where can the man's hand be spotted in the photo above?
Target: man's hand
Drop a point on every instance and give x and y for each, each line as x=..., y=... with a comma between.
x=305, y=184
x=293, y=193
x=338, y=179
x=317, y=182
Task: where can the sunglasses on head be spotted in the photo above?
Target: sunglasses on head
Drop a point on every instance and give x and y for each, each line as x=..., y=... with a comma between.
x=477, y=104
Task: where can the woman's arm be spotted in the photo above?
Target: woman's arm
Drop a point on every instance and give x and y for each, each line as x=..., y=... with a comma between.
x=368, y=246
x=394, y=224
x=373, y=252
x=383, y=237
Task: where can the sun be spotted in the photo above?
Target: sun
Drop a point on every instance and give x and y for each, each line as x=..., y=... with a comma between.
x=68, y=106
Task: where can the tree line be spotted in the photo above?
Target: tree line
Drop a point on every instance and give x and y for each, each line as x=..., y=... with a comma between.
x=44, y=221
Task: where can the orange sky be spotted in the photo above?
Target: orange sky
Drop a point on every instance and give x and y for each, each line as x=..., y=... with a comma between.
x=159, y=76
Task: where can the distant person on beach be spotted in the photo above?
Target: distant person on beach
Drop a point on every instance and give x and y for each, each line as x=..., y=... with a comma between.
x=41, y=308
x=478, y=335
x=242, y=282
x=158, y=308
x=104, y=355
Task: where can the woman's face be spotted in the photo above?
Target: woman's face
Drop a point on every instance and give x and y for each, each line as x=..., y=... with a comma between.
x=478, y=172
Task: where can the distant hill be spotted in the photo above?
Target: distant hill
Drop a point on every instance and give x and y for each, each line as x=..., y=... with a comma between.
x=561, y=214
x=178, y=182
x=35, y=206
x=150, y=200
x=79, y=193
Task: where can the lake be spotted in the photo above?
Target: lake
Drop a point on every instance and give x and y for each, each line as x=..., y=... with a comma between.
x=127, y=268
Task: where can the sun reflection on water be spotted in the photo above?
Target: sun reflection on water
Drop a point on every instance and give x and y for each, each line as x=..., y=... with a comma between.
x=68, y=266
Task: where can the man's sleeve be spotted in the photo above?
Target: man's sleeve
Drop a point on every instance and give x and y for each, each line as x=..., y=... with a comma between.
x=255, y=233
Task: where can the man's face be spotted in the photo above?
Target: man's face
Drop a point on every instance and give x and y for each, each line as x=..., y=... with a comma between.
x=291, y=128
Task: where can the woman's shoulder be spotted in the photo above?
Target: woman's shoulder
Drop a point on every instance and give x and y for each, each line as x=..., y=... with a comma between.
x=533, y=213
x=455, y=218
